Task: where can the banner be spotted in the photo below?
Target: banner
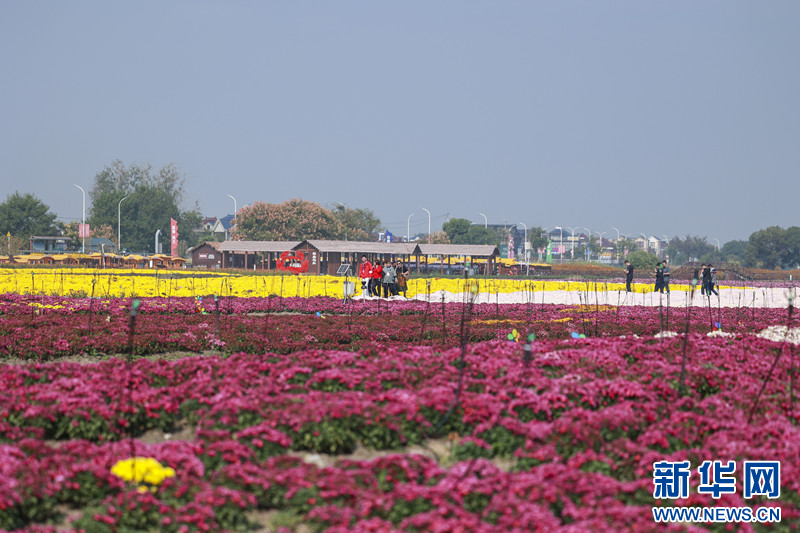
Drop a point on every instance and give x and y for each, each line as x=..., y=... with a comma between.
x=83, y=230
x=173, y=225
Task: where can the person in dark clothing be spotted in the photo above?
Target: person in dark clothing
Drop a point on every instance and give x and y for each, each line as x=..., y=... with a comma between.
x=659, y=278
x=665, y=283
x=628, y=275
x=699, y=278
x=712, y=280
x=706, y=280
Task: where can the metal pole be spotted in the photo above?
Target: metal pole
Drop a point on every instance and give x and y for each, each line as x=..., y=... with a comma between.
x=525, y=248
x=235, y=208
x=429, y=220
x=485, y=220
x=572, y=243
x=158, y=234
x=560, y=244
x=83, y=222
x=119, y=224
x=408, y=229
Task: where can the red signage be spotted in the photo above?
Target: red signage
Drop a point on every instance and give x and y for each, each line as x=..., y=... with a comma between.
x=83, y=230
x=173, y=225
x=295, y=263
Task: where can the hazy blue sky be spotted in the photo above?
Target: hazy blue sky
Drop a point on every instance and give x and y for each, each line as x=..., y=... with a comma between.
x=656, y=117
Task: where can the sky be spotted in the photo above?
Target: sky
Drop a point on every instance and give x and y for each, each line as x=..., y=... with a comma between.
x=664, y=118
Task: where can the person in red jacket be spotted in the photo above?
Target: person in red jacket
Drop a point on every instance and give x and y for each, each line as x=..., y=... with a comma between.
x=365, y=273
x=377, y=275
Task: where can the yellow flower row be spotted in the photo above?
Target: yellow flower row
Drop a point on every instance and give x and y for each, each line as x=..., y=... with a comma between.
x=118, y=282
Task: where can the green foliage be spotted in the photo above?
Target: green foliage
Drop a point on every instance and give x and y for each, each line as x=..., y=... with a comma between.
x=774, y=247
x=153, y=198
x=734, y=251
x=24, y=215
x=538, y=238
x=625, y=246
x=462, y=231
x=690, y=248
x=356, y=224
x=642, y=260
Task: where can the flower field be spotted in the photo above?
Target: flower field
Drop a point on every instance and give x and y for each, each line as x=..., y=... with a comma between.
x=311, y=414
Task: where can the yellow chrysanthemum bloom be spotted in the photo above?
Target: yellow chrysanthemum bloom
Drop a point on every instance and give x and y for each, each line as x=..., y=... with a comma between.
x=142, y=470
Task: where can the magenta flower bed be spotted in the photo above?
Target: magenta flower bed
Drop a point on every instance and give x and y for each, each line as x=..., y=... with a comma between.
x=35, y=328
x=566, y=441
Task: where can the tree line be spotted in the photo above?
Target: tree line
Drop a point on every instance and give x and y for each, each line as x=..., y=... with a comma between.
x=146, y=199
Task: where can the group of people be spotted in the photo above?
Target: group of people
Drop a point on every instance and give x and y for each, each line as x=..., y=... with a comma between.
x=391, y=277
x=706, y=273
x=661, y=273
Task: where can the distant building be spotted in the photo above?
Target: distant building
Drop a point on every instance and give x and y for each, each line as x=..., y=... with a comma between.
x=206, y=255
x=49, y=243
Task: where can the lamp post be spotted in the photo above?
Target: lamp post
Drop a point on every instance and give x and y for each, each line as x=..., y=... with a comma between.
x=718, y=247
x=119, y=224
x=615, y=229
x=235, y=209
x=83, y=220
x=560, y=243
x=408, y=229
x=572, y=244
x=234, y=205
x=429, y=220
x=485, y=220
x=525, y=249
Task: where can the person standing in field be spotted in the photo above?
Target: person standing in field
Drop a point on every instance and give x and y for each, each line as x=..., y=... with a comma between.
x=706, y=280
x=665, y=283
x=377, y=277
x=659, y=273
x=388, y=279
x=365, y=273
x=712, y=280
x=628, y=275
x=402, y=278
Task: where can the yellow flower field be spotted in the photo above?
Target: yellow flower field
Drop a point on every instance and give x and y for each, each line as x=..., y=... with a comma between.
x=118, y=282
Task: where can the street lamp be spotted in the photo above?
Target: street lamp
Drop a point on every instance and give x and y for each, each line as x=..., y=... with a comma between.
x=83, y=222
x=429, y=220
x=615, y=229
x=525, y=248
x=572, y=243
x=119, y=224
x=235, y=209
x=234, y=205
x=485, y=220
x=718, y=247
x=408, y=235
x=560, y=243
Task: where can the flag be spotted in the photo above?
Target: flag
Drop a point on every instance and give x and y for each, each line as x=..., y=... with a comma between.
x=173, y=225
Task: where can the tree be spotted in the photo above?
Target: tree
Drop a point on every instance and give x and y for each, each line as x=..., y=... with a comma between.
x=295, y=220
x=642, y=260
x=623, y=247
x=153, y=197
x=690, y=248
x=356, y=224
x=734, y=251
x=457, y=230
x=538, y=238
x=23, y=215
x=477, y=234
x=774, y=247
